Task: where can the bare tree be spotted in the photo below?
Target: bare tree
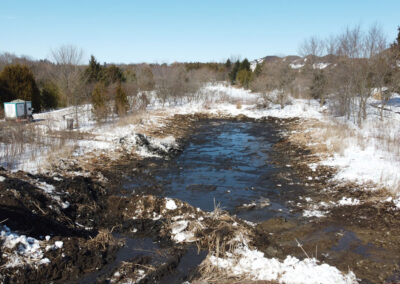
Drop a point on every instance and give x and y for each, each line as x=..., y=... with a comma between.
x=69, y=74
x=312, y=46
x=331, y=45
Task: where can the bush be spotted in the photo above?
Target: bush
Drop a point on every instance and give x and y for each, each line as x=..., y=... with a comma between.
x=50, y=96
x=121, y=101
x=243, y=77
x=17, y=82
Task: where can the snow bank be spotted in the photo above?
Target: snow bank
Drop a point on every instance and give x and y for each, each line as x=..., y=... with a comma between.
x=372, y=154
x=254, y=265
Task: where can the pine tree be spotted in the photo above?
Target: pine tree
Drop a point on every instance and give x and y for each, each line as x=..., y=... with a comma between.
x=121, y=101
x=50, y=95
x=233, y=73
x=112, y=74
x=93, y=72
x=318, y=86
x=18, y=82
x=258, y=69
x=228, y=64
x=244, y=77
x=245, y=65
x=99, y=107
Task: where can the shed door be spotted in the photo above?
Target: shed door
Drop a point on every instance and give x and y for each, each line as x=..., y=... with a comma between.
x=20, y=109
x=29, y=108
x=9, y=110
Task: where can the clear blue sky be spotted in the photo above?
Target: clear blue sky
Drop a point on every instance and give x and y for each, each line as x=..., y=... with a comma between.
x=167, y=31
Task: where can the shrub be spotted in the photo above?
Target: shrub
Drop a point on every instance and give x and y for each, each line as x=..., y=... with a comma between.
x=18, y=83
x=121, y=101
x=243, y=77
x=50, y=96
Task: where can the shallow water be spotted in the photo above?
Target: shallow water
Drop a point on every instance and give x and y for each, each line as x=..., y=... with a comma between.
x=230, y=163
x=132, y=248
x=226, y=163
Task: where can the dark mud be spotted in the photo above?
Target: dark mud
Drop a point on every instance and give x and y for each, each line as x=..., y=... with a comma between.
x=244, y=166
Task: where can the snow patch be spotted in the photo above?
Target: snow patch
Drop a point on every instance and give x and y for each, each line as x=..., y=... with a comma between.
x=348, y=201
x=314, y=213
x=19, y=250
x=170, y=204
x=320, y=65
x=179, y=233
x=253, y=264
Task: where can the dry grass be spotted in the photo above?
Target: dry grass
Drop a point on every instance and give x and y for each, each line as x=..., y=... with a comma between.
x=133, y=118
x=102, y=240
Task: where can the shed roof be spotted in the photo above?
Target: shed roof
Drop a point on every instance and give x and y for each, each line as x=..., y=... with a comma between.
x=18, y=101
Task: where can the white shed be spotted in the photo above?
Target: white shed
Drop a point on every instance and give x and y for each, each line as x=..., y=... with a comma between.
x=18, y=109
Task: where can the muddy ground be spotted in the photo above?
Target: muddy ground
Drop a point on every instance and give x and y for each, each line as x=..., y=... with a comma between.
x=111, y=235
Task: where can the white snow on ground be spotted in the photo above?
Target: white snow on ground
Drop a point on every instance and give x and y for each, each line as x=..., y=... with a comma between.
x=314, y=213
x=50, y=191
x=2, y=178
x=373, y=153
x=179, y=232
x=253, y=264
x=217, y=98
x=320, y=65
x=24, y=250
x=296, y=65
x=170, y=204
x=349, y=201
x=368, y=161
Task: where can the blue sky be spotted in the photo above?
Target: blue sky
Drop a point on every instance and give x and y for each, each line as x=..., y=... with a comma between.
x=123, y=31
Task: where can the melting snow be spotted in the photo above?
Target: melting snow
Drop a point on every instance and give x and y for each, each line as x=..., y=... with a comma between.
x=314, y=213
x=170, y=204
x=25, y=250
x=320, y=65
x=349, y=201
x=179, y=234
x=253, y=264
x=296, y=65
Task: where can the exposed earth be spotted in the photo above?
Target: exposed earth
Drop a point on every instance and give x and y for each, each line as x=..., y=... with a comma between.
x=123, y=220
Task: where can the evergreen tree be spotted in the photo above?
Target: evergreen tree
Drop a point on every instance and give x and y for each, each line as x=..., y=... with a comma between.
x=233, y=73
x=228, y=64
x=99, y=106
x=50, y=95
x=93, y=72
x=112, y=74
x=244, y=77
x=18, y=82
x=121, y=101
x=245, y=65
x=318, y=86
x=258, y=69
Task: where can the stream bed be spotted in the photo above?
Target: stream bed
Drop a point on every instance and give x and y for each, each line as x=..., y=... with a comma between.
x=226, y=164
x=231, y=165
